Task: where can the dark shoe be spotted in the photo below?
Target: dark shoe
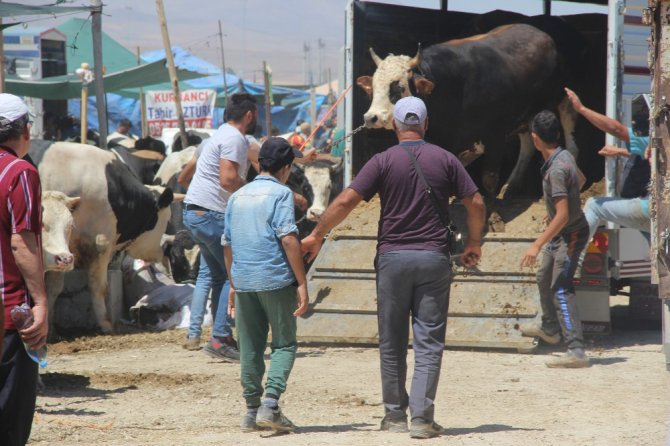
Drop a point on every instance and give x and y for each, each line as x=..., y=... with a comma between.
x=248, y=423
x=192, y=343
x=533, y=330
x=222, y=350
x=424, y=429
x=574, y=359
x=394, y=422
x=273, y=418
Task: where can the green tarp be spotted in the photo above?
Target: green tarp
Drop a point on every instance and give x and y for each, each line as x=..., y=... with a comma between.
x=69, y=86
x=16, y=9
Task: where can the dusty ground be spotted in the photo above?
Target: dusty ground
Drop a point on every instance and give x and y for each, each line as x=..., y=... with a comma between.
x=144, y=389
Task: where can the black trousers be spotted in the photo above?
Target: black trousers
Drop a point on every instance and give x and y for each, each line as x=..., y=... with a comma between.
x=18, y=392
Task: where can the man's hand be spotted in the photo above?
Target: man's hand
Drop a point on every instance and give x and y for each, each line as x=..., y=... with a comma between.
x=309, y=156
x=647, y=153
x=530, y=257
x=35, y=336
x=471, y=254
x=574, y=100
x=310, y=247
x=610, y=150
x=303, y=300
x=231, y=302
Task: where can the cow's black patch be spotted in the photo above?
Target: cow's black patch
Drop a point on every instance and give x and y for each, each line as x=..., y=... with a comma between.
x=396, y=90
x=134, y=206
x=144, y=169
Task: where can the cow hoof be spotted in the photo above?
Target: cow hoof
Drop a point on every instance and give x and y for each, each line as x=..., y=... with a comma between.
x=107, y=327
x=496, y=223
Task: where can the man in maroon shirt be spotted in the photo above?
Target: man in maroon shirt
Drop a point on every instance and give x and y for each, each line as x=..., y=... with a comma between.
x=21, y=271
x=412, y=264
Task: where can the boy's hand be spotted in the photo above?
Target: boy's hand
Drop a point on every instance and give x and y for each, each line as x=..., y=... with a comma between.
x=231, y=302
x=303, y=300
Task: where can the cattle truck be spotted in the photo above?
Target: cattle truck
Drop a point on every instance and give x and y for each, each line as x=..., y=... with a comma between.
x=488, y=304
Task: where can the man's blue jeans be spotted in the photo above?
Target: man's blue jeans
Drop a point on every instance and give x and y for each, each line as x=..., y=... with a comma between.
x=207, y=229
x=626, y=212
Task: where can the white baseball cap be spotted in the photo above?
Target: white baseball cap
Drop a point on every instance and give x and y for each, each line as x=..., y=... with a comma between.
x=410, y=110
x=11, y=108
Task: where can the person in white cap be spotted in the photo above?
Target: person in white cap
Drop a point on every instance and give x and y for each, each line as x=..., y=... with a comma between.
x=22, y=272
x=413, y=262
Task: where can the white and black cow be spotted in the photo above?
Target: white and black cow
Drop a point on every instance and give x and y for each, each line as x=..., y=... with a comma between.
x=144, y=159
x=115, y=212
x=325, y=177
x=478, y=90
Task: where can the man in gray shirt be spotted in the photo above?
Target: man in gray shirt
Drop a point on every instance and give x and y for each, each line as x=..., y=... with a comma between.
x=561, y=243
x=221, y=168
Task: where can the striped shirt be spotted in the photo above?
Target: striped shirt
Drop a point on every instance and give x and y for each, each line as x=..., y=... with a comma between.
x=20, y=210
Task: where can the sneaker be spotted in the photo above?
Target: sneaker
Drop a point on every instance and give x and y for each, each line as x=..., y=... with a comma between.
x=273, y=418
x=192, y=343
x=575, y=358
x=423, y=429
x=394, y=422
x=248, y=423
x=222, y=350
x=532, y=330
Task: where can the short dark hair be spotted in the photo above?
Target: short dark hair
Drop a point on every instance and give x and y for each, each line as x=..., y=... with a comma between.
x=238, y=105
x=271, y=166
x=640, y=123
x=546, y=126
x=14, y=129
x=125, y=122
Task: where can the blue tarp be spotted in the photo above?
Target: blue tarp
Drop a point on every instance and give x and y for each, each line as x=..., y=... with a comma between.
x=283, y=117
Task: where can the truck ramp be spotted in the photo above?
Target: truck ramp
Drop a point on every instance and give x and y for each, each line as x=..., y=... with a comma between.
x=487, y=304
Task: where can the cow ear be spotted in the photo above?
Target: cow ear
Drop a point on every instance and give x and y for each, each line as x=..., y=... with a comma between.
x=72, y=203
x=365, y=82
x=165, y=199
x=423, y=86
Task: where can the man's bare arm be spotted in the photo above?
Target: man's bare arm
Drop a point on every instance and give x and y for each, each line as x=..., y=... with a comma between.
x=228, y=177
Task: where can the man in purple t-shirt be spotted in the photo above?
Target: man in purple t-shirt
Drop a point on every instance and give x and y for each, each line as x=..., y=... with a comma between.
x=412, y=264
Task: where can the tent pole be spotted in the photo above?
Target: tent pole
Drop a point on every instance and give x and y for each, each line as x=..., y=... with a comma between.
x=268, y=107
x=223, y=66
x=143, y=104
x=100, y=98
x=83, y=115
x=173, y=72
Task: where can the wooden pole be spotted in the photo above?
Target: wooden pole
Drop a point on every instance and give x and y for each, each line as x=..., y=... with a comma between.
x=223, y=65
x=143, y=104
x=83, y=115
x=172, y=71
x=268, y=106
x=100, y=98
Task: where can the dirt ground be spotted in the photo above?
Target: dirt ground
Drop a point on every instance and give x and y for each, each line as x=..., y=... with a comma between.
x=144, y=389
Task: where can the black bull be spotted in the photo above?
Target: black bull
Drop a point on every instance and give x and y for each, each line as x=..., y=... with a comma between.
x=484, y=89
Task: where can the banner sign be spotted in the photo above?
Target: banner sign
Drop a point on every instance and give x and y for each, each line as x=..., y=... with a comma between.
x=198, y=107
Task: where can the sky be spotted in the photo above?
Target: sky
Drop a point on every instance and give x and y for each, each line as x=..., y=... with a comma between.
x=275, y=31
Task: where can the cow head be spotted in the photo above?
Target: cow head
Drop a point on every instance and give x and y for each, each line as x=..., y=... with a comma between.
x=57, y=226
x=324, y=177
x=147, y=246
x=389, y=84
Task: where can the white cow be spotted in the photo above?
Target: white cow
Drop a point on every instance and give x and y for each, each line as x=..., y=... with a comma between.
x=325, y=177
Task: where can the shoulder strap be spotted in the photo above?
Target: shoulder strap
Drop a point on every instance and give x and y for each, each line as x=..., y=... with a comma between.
x=429, y=190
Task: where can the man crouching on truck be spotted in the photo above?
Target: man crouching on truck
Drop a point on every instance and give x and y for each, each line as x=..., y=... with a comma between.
x=561, y=243
x=413, y=264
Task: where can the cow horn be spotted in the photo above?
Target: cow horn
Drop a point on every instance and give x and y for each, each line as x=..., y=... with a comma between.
x=416, y=60
x=376, y=58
